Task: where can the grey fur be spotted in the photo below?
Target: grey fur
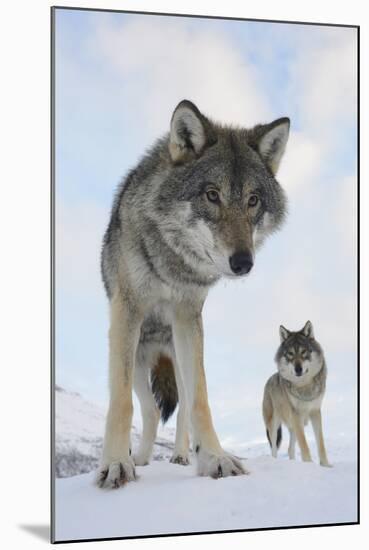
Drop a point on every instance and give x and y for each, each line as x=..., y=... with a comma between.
x=148, y=200
x=145, y=211
x=295, y=349
x=294, y=394
x=179, y=217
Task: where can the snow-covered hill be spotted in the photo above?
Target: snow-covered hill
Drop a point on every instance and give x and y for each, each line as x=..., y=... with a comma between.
x=79, y=429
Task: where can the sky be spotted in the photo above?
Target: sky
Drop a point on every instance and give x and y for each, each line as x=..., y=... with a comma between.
x=118, y=79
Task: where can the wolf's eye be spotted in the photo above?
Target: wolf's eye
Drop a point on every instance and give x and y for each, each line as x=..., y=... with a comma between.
x=253, y=200
x=212, y=195
x=289, y=355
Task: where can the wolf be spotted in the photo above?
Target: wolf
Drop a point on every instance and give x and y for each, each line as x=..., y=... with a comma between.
x=196, y=208
x=294, y=394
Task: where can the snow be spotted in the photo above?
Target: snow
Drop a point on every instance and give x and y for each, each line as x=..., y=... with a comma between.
x=79, y=429
x=169, y=498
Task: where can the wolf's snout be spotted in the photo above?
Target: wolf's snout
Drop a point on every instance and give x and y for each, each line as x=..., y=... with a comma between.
x=298, y=369
x=241, y=262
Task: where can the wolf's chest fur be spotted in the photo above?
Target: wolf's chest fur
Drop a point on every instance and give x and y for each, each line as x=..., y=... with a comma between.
x=305, y=408
x=307, y=398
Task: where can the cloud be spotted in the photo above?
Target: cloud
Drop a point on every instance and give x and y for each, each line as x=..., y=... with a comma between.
x=176, y=61
x=323, y=81
x=321, y=90
x=346, y=218
x=301, y=163
x=180, y=60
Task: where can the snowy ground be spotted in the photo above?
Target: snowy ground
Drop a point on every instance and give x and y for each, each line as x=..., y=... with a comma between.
x=169, y=498
x=79, y=429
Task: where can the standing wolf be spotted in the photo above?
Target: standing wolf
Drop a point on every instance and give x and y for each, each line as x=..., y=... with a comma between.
x=294, y=394
x=194, y=210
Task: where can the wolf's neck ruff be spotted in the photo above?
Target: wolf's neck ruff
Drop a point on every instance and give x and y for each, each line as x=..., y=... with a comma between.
x=172, y=259
x=310, y=391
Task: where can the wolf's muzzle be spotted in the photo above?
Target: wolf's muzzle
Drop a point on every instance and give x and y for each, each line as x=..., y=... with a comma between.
x=241, y=262
x=298, y=369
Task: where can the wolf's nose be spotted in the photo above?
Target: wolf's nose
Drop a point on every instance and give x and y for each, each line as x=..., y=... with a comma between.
x=241, y=262
x=298, y=370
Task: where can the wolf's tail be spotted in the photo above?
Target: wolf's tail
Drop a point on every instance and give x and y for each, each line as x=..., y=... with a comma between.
x=164, y=387
x=279, y=437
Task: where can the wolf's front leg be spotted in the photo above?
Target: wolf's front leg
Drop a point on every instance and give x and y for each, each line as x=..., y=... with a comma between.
x=212, y=460
x=117, y=466
x=298, y=428
x=316, y=420
x=182, y=443
x=292, y=445
x=150, y=414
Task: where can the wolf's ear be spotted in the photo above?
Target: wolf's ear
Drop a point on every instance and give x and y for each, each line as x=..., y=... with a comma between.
x=272, y=140
x=308, y=330
x=190, y=132
x=283, y=333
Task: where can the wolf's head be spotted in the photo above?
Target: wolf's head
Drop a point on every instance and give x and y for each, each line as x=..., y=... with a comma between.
x=299, y=356
x=221, y=186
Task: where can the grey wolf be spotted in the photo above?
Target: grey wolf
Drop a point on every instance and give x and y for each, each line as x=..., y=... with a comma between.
x=294, y=394
x=195, y=209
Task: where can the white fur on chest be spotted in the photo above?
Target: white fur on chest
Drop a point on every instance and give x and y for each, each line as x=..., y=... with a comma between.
x=305, y=408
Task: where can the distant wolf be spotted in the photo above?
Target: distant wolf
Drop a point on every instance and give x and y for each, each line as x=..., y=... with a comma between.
x=294, y=394
x=194, y=209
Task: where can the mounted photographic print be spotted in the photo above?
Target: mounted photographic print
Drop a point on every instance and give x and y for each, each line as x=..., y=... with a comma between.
x=205, y=272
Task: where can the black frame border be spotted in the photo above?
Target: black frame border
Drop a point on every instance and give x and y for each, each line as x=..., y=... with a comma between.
x=52, y=270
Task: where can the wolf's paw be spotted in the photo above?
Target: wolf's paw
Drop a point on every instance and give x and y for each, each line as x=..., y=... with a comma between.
x=216, y=466
x=326, y=464
x=115, y=474
x=180, y=459
x=141, y=459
